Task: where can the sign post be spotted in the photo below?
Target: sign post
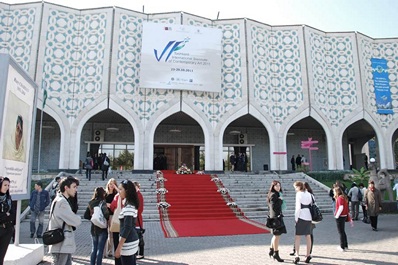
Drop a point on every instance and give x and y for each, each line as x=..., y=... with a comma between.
x=308, y=145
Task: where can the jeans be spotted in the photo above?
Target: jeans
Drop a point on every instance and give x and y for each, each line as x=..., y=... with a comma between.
x=355, y=209
x=98, y=244
x=341, y=229
x=33, y=217
x=128, y=260
x=88, y=174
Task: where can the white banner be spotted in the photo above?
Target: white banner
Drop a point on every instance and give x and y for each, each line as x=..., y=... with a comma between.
x=16, y=131
x=181, y=57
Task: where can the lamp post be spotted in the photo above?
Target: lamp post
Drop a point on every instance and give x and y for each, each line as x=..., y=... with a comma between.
x=373, y=172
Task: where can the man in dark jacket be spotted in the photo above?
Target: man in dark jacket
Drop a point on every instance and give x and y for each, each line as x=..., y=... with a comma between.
x=39, y=200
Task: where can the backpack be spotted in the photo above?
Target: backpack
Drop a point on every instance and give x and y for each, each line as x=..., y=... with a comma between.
x=360, y=195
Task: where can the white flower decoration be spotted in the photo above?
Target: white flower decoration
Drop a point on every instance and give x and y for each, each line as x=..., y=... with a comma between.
x=223, y=190
x=161, y=191
x=163, y=205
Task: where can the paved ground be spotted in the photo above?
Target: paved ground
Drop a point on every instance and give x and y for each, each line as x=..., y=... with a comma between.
x=365, y=246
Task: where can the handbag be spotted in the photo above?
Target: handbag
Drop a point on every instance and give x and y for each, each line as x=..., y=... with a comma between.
x=53, y=236
x=115, y=223
x=274, y=223
x=315, y=212
x=98, y=218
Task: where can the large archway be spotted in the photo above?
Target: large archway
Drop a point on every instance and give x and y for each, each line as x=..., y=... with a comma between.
x=110, y=133
x=179, y=139
x=360, y=144
x=247, y=140
x=305, y=130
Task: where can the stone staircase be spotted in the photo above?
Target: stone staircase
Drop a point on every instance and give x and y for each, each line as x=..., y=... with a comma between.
x=249, y=191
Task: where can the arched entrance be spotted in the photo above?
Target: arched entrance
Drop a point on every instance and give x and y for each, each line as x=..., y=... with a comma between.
x=178, y=139
x=315, y=154
x=360, y=144
x=110, y=133
x=247, y=141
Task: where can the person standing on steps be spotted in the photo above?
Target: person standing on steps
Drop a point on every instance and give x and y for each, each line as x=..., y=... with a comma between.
x=293, y=162
x=275, y=209
x=88, y=164
x=39, y=200
x=106, y=162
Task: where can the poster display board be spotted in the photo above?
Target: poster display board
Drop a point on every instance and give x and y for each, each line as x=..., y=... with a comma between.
x=18, y=96
x=381, y=86
x=180, y=57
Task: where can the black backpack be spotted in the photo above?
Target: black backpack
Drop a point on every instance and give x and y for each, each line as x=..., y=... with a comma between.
x=360, y=195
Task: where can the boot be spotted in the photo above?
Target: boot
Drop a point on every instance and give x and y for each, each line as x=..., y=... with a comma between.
x=276, y=256
x=271, y=252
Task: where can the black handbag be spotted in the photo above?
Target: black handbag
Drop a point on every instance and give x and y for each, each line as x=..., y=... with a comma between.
x=54, y=236
x=315, y=212
x=274, y=223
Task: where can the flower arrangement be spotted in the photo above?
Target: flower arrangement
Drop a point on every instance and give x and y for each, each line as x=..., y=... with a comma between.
x=216, y=180
x=161, y=179
x=200, y=172
x=184, y=170
x=161, y=191
x=232, y=204
x=223, y=191
x=163, y=205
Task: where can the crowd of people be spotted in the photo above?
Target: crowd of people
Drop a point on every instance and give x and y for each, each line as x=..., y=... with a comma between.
x=96, y=162
x=369, y=198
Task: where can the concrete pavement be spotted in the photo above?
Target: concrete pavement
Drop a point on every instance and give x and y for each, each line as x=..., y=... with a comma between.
x=365, y=245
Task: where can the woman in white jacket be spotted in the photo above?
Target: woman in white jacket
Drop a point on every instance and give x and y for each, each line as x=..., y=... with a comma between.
x=303, y=218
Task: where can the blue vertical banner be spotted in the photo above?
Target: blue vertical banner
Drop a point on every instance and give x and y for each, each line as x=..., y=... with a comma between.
x=381, y=86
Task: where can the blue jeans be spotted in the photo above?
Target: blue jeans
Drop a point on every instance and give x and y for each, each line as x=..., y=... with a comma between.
x=98, y=245
x=88, y=174
x=33, y=217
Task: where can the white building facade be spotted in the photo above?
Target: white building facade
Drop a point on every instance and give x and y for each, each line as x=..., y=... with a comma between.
x=281, y=85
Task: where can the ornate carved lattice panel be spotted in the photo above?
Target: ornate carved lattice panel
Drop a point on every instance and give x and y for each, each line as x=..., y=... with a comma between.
x=76, y=56
x=386, y=49
x=127, y=44
x=334, y=75
x=18, y=25
x=276, y=70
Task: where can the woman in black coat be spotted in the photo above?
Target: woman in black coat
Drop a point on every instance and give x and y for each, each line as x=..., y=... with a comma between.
x=275, y=202
x=7, y=217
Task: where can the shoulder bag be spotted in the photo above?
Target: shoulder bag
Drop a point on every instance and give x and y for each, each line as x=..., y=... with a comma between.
x=115, y=223
x=274, y=223
x=315, y=212
x=98, y=218
x=53, y=236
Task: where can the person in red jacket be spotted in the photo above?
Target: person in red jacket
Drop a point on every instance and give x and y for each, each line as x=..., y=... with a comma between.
x=342, y=215
x=139, y=225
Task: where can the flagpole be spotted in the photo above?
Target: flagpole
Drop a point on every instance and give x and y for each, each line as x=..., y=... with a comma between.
x=41, y=124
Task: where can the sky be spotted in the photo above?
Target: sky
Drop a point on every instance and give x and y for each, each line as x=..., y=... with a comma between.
x=374, y=18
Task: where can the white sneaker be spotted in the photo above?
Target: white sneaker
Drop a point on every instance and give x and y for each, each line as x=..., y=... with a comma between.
x=341, y=249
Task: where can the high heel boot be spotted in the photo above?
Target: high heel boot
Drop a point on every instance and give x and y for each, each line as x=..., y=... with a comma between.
x=276, y=256
x=271, y=252
x=296, y=260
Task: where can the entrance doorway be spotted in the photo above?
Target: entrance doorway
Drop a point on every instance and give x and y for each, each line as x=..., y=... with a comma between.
x=172, y=157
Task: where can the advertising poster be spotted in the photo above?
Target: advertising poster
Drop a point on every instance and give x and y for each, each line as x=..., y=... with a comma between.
x=181, y=57
x=16, y=131
x=381, y=86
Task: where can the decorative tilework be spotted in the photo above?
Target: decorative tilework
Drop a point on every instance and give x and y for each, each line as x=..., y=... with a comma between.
x=277, y=77
x=334, y=79
x=17, y=33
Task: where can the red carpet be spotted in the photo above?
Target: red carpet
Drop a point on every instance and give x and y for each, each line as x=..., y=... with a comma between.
x=197, y=209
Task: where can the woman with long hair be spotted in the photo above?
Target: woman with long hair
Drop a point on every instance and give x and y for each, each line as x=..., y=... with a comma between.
x=128, y=237
x=341, y=214
x=111, y=190
x=303, y=218
x=7, y=217
x=373, y=204
x=98, y=235
x=275, y=202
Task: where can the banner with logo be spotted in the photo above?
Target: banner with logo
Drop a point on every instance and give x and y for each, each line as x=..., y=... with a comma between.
x=180, y=57
x=381, y=86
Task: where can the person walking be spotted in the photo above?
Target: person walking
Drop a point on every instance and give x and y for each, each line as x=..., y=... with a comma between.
x=39, y=200
x=105, y=166
x=373, y=204
x=354, y=195
x=275, y=211
x=293, y=162
x=396, y=190
x=7, y=217
x=139, y=225
x=89, y=164
x=128, y=237
x=303, y=218
x=62, y=214
x=342, y=215
x=232, y=161
x=298, y=162
x=99, y=235
x=363, y=189
x=308, y=189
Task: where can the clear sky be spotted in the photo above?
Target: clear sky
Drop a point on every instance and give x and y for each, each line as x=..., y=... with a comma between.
x=375, y=18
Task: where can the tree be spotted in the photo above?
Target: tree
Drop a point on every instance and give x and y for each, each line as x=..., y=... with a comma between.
x=125, y=159
x=360, y=176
